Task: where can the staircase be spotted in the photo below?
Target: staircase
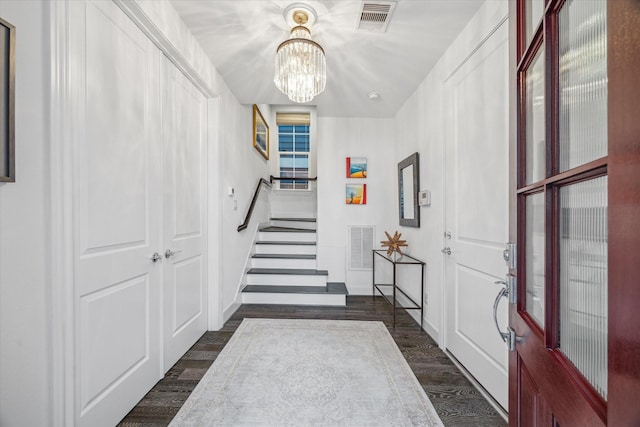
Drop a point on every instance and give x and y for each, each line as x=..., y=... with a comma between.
x=284, y=267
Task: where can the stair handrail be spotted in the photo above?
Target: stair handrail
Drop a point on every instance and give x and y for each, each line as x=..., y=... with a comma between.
x=247, y=218
x=282, y=178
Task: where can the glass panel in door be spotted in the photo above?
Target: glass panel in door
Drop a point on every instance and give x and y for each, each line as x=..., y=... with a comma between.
x=534, y=117
x=583, y=279
x=534, y=254
x=534, y=9
x=582, y=39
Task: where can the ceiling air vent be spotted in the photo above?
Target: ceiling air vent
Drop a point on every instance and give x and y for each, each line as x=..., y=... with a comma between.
x=375, y=15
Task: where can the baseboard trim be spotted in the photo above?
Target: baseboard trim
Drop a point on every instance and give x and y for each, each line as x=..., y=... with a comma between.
x=228, y=312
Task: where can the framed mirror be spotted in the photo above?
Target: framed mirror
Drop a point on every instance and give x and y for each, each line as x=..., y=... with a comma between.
x=408, y=188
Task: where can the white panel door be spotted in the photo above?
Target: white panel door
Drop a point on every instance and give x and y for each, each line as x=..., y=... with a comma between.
x=477, y=212
x=184, y=114
x=115, y=127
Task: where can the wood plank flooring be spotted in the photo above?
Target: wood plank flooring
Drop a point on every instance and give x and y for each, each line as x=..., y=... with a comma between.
x=455, y=399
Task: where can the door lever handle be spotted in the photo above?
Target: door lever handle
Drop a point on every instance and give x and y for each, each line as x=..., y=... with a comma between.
x=156, y=257
x=446, y=250
x=169, y=253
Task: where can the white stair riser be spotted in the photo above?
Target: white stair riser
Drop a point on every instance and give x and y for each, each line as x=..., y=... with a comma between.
x=286, y=249
x=286, y=279
x=297, y=299
x=276, y=236
x=294, y=224
x=283, y=263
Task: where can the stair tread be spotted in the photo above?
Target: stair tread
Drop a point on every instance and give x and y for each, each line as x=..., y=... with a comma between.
x=289, y=271
x=275, y=242
x=295, y=219
x=275, y=229
x=331, y=288
x=284, y=256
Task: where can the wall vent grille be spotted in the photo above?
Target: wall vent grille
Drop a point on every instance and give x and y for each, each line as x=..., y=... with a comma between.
x=360, y=247
x=375, y=16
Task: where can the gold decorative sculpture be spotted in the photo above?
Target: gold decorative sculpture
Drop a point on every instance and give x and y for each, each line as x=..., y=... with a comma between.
x=394, y=243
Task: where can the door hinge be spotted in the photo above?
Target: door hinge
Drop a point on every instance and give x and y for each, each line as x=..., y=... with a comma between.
x=509, y=255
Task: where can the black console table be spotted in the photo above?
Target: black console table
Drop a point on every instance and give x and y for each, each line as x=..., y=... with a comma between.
x=398, y=260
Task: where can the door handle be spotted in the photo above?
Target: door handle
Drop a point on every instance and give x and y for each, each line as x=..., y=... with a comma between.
x=446, y=250
x=510, y=336
x=504, y=292
x=156, y=257
x=169, y=253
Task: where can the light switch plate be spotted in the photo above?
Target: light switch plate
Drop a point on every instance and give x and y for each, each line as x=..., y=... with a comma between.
x=424, y=198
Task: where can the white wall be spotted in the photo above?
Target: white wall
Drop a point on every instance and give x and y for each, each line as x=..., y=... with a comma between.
x=25, y=379
x=339, y=138
x=420, y=126
x=241, y=166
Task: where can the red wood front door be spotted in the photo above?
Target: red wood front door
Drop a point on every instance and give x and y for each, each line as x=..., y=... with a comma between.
x=575, y=214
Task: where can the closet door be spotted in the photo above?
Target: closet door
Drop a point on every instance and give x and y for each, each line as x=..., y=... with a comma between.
x=115, y=127
x=184, y=127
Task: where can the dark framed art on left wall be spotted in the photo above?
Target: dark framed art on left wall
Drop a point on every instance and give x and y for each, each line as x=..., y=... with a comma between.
x=7, y=101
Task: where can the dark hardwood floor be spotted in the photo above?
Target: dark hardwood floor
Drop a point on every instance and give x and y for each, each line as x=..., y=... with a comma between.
x=455, y=399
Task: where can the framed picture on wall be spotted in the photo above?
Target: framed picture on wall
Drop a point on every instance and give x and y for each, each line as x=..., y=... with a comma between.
x=7, y=101
x=356, y=167
x=356, y=194
x=260, y=133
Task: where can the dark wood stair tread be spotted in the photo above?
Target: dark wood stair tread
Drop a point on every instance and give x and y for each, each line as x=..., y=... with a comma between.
x=331, y=288
x=269, y=242
x=275, y=229
x=294, y=219
x=284, y=256
x=289, y=271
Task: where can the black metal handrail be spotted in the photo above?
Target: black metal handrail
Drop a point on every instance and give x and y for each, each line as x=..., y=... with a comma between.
x=268, y=184
x=288, y=178
x=247, y=218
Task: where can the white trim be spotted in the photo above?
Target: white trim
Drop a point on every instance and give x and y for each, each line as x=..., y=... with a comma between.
x=478, y=46
x=431, y=329
x=442, y=341
x=231, y=309
x=151, y=30
x=335, y=300
x=216, y=317
x=61, y=244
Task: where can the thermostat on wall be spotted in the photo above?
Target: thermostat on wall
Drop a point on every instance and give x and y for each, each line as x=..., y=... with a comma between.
x=424, y=198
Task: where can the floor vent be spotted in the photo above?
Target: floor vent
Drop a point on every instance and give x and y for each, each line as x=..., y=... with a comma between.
x=375, y=15
x=360, y=247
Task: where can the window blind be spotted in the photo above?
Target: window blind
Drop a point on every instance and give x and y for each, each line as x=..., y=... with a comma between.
x=303, y=119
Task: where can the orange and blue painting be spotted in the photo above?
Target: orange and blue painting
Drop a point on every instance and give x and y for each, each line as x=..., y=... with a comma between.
x=356, y=167
x=356, y=194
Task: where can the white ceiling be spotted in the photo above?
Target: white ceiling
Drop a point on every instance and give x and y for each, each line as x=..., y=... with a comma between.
x=241, y=37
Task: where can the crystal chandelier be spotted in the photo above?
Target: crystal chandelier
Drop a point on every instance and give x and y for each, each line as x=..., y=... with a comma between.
x=301, y=70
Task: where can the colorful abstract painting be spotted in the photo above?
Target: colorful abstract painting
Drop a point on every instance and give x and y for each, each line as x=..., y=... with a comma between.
x=356, y=194
x=356, y=167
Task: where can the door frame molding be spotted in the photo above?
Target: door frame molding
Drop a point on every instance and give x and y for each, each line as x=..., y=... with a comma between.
x=62, y=389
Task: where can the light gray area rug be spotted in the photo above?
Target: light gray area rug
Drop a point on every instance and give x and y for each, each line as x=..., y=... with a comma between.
x=276, y=372
x=308, y=373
